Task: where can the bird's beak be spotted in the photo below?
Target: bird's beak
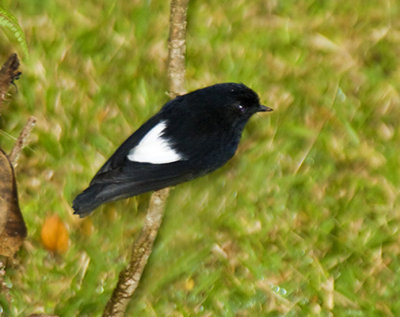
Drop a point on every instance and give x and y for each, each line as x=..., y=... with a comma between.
x=262, y=108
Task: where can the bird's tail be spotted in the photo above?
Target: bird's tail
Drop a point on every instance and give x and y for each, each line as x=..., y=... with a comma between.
x=100, y=193
x=88, y=200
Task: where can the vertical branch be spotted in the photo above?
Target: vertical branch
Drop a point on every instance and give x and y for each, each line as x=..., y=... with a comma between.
x=129, y=278
x=177, y=47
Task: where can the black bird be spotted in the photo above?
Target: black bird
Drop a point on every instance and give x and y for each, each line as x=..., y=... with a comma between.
x=190, y=136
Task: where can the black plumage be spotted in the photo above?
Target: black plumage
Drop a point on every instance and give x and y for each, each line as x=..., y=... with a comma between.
x=190, y=136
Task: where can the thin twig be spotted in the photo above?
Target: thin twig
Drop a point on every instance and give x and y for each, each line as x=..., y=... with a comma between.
x=129, y=278
x=22, y=140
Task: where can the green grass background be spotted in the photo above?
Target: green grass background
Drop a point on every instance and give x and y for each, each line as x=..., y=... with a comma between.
x=303, y=221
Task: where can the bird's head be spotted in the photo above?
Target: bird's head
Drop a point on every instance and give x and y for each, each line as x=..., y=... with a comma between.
x=237, y=102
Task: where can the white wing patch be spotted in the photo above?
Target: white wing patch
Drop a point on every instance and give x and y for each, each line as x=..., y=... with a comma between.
x=153, y=148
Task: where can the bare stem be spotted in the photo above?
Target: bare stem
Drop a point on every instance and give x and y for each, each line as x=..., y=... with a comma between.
x=177, y=47
x=22, y=140
x=129, y=278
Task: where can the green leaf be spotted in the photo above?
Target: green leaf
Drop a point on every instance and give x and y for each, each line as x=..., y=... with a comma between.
x=8, y=21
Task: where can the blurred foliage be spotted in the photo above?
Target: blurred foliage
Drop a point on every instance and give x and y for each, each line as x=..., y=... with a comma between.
x=304, y=220
x=10, y=23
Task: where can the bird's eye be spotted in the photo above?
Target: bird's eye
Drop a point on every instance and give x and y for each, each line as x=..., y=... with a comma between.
x=241, y=108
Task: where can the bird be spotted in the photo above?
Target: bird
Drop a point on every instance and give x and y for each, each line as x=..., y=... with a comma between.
x=192, y=135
